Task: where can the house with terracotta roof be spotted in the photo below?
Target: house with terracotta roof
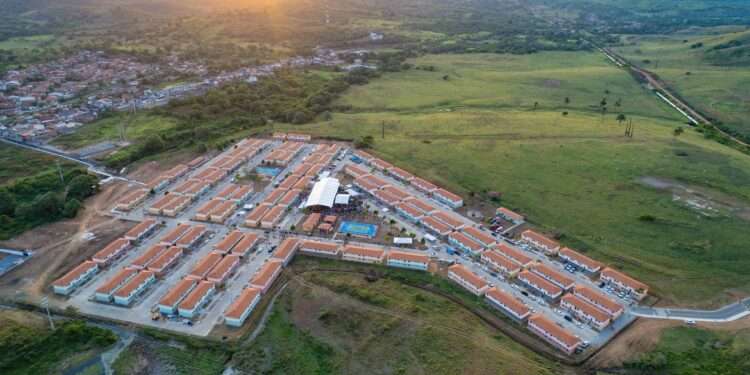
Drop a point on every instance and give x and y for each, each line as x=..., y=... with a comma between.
x=380, y=164
x=579, y=260
x=563, y=281
x=222, y=271
x=450, y=219
x=605, y=304
x=468, y=279
x=514, y=254
x=363, y=254
x=508, y=304
x=192, y=237
x=148, y=256
x=386, y=197
x=132, y=199
x=286, y=250
x=252, y=219
x=246, y=245
x=157, y=208
x=327, y=249
x=500, y=263
x=204, y=212
x=409, y=260
x=141, y=230
x=423, y=185
x=273, y=217
x=400, y=174
x=175, y=234
x=465, y=243
x=197, y=298
x=175, y=295
x=166, y=260
x=554, y=334
x=204, y=266
x=355, y=171
x=421, y=205
x=135, y=286
x=111, y=252
x=242, y=307
x=266, y=275
x=540, y=242
x=222, y=211
x=104, y=292
x=507, y=214
x=476, y=234
x=446, y=197
x=585, y=311
x=311, y=222
x=75, y=278
x=409, y=212
x=624, y=282
x=227, y=243
x=435, y=225
x=540, y=285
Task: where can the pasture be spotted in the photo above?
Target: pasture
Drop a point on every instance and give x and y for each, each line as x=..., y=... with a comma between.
x=575, y=175
x=712, y=82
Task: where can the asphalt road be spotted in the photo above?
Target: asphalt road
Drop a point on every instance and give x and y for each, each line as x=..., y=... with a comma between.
x=727, y=313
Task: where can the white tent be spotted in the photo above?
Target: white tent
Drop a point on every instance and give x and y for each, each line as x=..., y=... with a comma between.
x=323, y=193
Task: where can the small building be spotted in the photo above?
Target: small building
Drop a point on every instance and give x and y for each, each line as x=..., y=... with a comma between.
x=410, y=212
x=467, y=279
x=465, y=243
x=423, y=185
x=515, y=255
x=175, y=295
x=197, y=298
x=111, y=252
x=435, y=225
x=507, y=214
x=128, y=292
x=286, y=250
x=246, y=245
x=273, y=217
x=266, y=275
x=204, y=266
x=409, y=260
x=554, y=334
x=148, y=256
x=553, y=276
x=540, y=285
x=311, y=222
x=498, y=262
x=242, y=307
x=230, y=241
x=319, y=248
x=104, y=293
x=450, y=219
x=221, y=273
x=624, y=282
x=252, y=220
x=581, y=261
x=476, y=234
x=363, y=254
x=605, y=304
x=585, y=311
x=175, y=234
x=166, y=260
x=508, y=304
x=141, y=230
x=401, y=174
x=446, y=197
x=323, y=193
x=75, y=278
x=540, y=242
x=192, y=237
x=204, y=212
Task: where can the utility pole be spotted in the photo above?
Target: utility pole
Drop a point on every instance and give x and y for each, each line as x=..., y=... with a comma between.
x=382, y=129
x=59, y=171
x=45, y=305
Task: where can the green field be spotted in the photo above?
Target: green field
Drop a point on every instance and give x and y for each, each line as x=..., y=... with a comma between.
x=685, y=351
x=576, y=175
x=339, y=323
x=718, y=84
x=18, y=162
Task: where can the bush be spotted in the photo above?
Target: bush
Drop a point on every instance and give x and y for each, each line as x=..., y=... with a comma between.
x=70, y=210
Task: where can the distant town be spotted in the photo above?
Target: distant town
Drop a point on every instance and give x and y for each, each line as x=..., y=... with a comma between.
x=46, y=100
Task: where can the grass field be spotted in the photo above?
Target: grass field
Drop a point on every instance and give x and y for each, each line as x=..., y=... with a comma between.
x=576, y=175
x=338, y=323
x=108, y=129
x=18, y=163
x=721, y=91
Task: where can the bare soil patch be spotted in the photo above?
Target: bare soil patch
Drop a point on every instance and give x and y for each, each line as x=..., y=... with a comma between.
x=640, y=338
x=707, y=202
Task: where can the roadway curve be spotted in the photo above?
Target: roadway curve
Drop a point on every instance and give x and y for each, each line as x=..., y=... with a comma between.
x=728, y=313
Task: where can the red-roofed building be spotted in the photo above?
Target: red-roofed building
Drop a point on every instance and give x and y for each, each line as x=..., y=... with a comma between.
x=286, y=250
x=435, y=225
x=585, y=311
x=363, y=254
x=448, y=198
x=515, y=255
x=199, y=296
x=465, y=243
x=605, y=304
x=409, y=260
x=330, y=249
x=467, y=279
x=636, y=288
x=501, y=263
x=510, y=215
x=540, y=285
x=480, y=236
x=75, y=278
x=579, y=260
x=224, y=269
x=554, y=334
x=266, y=275
x=563, y=281
x=508, y=304
x=168, y=303
x=111, y=252
x=540, y=242
x=242, y=307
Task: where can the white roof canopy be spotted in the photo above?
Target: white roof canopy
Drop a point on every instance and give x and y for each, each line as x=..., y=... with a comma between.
x=323, y=193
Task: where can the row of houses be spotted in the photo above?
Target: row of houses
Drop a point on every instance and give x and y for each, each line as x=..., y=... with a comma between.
x=619, y=280
x=80, y=274
x=284, y=154
x=439, y=194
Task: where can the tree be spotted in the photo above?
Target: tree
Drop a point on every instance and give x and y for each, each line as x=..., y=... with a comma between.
x=71, y=208
x=7, y=202
x=364, y=142
x=621, y=118
x=678, y=131
x=567, y=100
x=82, y=187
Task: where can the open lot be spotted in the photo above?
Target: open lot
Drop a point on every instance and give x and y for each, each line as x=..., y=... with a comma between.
x=576, y=175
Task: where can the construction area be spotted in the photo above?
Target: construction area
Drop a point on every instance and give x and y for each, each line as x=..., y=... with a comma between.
x=210, y=237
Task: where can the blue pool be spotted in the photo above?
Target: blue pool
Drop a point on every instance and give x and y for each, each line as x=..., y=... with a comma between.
x=358, y=229
x=268, y=171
